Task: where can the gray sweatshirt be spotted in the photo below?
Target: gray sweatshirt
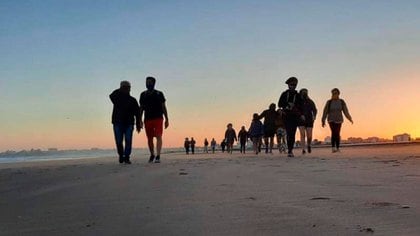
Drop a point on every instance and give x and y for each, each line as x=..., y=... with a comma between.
x=334, y=110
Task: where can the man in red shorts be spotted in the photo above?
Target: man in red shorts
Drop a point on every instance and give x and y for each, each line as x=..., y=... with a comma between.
x=152, y=102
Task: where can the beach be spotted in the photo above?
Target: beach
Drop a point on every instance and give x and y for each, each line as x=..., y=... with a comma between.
x=361, y=190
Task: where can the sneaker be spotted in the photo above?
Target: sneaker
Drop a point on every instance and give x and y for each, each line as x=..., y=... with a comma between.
x=303, y=151
x=127, y=160
x=121, y=159
x=290, y=154
x=157, y=160
x=152, y=157
x=334, y=150
x=309, y=149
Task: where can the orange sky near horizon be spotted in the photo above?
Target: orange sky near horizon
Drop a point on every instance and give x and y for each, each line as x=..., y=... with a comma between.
x=217, y=62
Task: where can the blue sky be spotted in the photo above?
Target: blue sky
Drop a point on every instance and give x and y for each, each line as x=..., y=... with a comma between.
x=216, y=61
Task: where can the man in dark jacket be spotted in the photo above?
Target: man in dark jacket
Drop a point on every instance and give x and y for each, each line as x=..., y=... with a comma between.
x=290, y=104
x=125, y=110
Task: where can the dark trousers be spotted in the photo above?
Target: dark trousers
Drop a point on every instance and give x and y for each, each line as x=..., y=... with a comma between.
x=187, y=150
x=291, y=123
x=243, y=146
x=123, y=132
x=335, y=134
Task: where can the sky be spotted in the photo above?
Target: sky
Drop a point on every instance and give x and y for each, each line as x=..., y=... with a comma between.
x=217, y=62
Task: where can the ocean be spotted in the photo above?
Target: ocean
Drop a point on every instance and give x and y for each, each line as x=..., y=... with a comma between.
x=39, y=155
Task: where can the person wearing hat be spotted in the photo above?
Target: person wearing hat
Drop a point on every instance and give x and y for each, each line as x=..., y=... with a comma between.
x=333, y=112
x=125, y=109
x=290, y=104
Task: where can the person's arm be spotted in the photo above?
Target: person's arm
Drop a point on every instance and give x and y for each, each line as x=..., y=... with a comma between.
x=114, y=95
x=325, y=113
x=141, y=110
x=137, y=115
x=314, y=110
x=165, y=114
x=346, y=111
x=282, y=104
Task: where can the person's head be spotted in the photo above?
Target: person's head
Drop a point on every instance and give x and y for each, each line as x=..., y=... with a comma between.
x=335, y=93
x=292, y=83
x=243, y=128
x=304, y=93
x=125, y=86
x=229, y=126
x=186, y=139
x=255, y=116
x=272, y=106
x=150, y=83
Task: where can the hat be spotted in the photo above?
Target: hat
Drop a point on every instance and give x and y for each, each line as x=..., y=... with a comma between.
x=292, y=80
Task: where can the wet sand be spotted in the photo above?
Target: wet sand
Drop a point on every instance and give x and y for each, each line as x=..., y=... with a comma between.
x=362, y=190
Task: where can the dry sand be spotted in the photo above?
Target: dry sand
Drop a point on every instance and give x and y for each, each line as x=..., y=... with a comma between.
x=362, y=190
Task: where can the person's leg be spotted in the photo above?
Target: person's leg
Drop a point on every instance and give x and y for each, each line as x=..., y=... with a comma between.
x=151, y=145
x=293, y=135
x=335, y=135
x=271, y=144
x=309, y=136
x=118, y=136
x=128, y=135
x=338, y=136
x=158, y=146
x=302, y=138
x=266, y=143
x=291, y=126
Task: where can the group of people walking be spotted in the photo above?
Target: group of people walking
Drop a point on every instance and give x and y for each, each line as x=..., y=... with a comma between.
x=295, y=109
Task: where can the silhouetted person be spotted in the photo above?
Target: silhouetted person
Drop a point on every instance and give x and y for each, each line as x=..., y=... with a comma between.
x=290, y=103
x=281, y=132
x=305, y=126
x=255, y=132
x=152, y=102
x=230, y=136
x=187, y=146
x=213, y=145
x=223, y=145
x=333, y=112
x=242, y=137
x=192, y=145
x=124, y=111
x=206, y=145
x=270, y=115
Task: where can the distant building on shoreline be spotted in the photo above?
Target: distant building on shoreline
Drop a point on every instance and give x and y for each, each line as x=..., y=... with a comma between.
x=401, y=138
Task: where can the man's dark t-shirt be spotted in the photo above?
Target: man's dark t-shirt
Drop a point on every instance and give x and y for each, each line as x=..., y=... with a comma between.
x=152, y=103
x=125, y=108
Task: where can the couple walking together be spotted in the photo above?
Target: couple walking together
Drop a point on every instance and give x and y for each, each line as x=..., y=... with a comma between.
x=127, y=112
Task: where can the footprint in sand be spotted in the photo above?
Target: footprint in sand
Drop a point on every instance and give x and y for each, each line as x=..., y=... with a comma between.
x=320, y=198
x=183, y=173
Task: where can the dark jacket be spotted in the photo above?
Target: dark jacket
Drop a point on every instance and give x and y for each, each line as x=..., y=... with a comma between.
x=290, y=102
x=125, y=108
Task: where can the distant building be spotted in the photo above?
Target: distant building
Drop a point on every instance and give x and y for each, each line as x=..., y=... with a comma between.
x=327, y=139
x=355, y=140
x=373, y=140
x=401, y=138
